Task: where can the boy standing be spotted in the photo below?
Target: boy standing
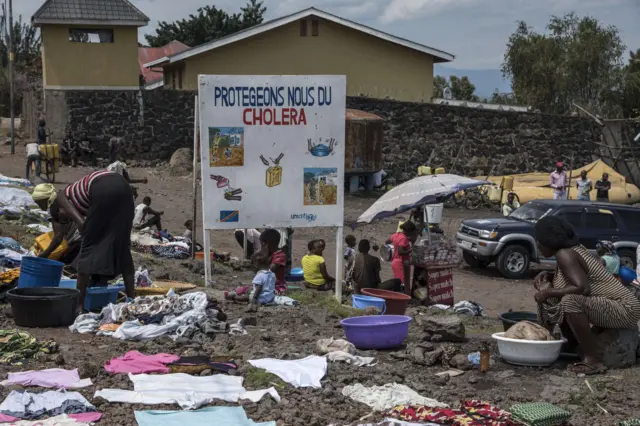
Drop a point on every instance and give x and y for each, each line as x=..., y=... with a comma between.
x=349, y=259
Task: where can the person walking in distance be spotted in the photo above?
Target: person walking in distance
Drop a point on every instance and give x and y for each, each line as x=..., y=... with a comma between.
x=558, y=181
x=602, y=188
x=33, y=156
x=585, y=186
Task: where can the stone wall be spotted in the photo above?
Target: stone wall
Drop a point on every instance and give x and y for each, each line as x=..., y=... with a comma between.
x=474, y=141
x=463, y=140
x=152, y=124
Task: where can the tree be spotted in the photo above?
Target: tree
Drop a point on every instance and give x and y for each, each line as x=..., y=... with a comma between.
x=579, y=60
x=502, y=98
x=210, y=23
x=630, y=94
x=26, y=43
x=461, y=88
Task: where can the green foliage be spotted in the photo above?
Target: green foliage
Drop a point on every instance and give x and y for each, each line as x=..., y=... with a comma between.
x=210, y=23
x=630, y=96
x=578, y=60
x=461, y=88
x=26, y=43
x=502, y=98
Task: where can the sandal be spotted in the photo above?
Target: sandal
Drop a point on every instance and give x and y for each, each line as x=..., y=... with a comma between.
x=587, y=369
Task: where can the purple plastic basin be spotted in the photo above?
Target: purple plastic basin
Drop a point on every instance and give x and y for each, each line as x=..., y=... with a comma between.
x=376, y=331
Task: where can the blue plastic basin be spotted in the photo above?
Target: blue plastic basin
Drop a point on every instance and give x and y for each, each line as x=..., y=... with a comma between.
x=39, y=272
x=68, y=284
x=376, y=331
x=99, y=297
x=627, y=275
x=360, y=301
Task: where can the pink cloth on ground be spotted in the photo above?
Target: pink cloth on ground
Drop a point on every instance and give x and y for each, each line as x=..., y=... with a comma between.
x=137, y=363
x=52, y=378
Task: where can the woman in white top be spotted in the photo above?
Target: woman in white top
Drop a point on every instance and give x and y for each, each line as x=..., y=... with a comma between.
x=253, y=240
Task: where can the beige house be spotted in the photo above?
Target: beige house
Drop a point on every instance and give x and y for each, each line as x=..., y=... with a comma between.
x=89, y=44
x=377, y=64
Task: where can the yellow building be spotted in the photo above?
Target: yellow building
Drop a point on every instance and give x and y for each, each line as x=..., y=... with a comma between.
x=89, y=44
x=377, y=64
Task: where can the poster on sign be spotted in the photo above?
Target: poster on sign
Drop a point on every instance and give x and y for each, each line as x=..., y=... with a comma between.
x=272, y=150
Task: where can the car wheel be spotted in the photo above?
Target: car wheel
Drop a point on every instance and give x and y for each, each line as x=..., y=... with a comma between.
x=513, y=261
x=627, y=258
x=473, y=261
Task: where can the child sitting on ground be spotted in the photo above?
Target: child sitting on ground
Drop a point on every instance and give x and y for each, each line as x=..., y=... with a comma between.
x=264, y=284
x=315, y=272
x=188, y=232
x=349, y=260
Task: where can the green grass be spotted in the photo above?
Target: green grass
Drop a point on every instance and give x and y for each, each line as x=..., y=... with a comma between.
x=257, y=378
x=327, y=301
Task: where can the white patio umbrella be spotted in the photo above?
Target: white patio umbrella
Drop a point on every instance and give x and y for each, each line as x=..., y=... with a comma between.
x=427, y=189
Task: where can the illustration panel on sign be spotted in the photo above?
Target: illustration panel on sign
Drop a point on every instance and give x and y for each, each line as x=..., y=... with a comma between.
x=226, y=146
x=322, y=148
x=320, y=186
x=274, y=173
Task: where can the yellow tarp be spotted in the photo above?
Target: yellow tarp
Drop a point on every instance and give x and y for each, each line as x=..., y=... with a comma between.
x=534, y=186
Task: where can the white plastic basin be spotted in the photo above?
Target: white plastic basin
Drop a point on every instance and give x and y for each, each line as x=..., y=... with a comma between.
x=528, y=352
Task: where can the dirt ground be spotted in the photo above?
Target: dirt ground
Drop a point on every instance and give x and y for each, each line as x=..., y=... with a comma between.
x=288, y=333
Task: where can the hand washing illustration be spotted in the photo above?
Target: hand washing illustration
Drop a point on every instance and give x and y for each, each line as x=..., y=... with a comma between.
x=321, y=149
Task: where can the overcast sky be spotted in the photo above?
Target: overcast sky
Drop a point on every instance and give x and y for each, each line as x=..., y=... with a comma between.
x=475, y=31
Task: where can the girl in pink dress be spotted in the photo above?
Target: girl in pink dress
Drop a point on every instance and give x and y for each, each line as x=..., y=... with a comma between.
x=400, y=262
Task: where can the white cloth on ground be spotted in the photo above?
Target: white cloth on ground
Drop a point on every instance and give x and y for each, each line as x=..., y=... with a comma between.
x=189, y=392
x=325, y=346
x=300, y=373
x=40, y=227
x=51, y=378
x=62, y=420
x=15, y=197
x=23, y=404
x=356, y=360
x=86, y=323
x=227, y=416
x=285, y=301
x=383, y=398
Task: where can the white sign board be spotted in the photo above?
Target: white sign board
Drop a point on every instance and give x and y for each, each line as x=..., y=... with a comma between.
x=272, y=150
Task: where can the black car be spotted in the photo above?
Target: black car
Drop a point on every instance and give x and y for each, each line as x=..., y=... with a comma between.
x=510, y=243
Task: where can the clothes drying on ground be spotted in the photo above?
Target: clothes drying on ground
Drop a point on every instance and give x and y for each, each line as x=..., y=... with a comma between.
x=300, y=373
x=540, y=414
x=18, y=346
x=10, y=258
x=227, y=416
x=284, y=301
x=136, y=362
x=51, y=378
x=62, y=420
x=632, y=422
x=11, y=244
x=383, y=398
x=172, y=251
x=192, y=316
x=197, y=364
x=189, y=392
x=358, y=361
x=470, y=413
x=32, y=406
x=15, y=197
x=81, y=418
x=324, y=346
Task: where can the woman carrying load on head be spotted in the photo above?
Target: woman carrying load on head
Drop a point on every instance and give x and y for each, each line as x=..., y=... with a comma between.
x=101, y=204
x=580, y=293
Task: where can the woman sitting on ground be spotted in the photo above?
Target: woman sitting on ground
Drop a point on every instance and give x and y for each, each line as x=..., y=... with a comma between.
x=314, y=268
x=580, y=293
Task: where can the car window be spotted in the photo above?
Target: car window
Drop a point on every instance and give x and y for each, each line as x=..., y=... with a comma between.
x=530, y=212
x=601, y=219
x=631, y=219
x=573, y=217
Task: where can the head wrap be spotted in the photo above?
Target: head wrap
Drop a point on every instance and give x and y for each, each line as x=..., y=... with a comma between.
x=44, y=191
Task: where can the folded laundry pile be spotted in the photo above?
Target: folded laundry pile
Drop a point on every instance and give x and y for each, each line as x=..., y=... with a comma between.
x=33, y=406
x=192, y=316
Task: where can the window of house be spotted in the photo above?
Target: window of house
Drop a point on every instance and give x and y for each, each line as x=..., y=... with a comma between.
x=303, y=28
x=79, y=35
x=314, y=28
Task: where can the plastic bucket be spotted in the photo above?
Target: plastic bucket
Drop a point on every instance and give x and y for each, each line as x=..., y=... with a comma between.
x=359, y=301
x=376, y=331
x=627, y=275
x=509, y=319
x=68, y=284
x=296, y=275
x=434, y=212
x=43, y=306
x=99, y=297
x=396, y=303
x=39, y=272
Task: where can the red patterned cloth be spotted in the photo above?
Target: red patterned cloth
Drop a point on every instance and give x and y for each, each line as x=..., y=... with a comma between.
x=471, y=413
x=279, y=258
